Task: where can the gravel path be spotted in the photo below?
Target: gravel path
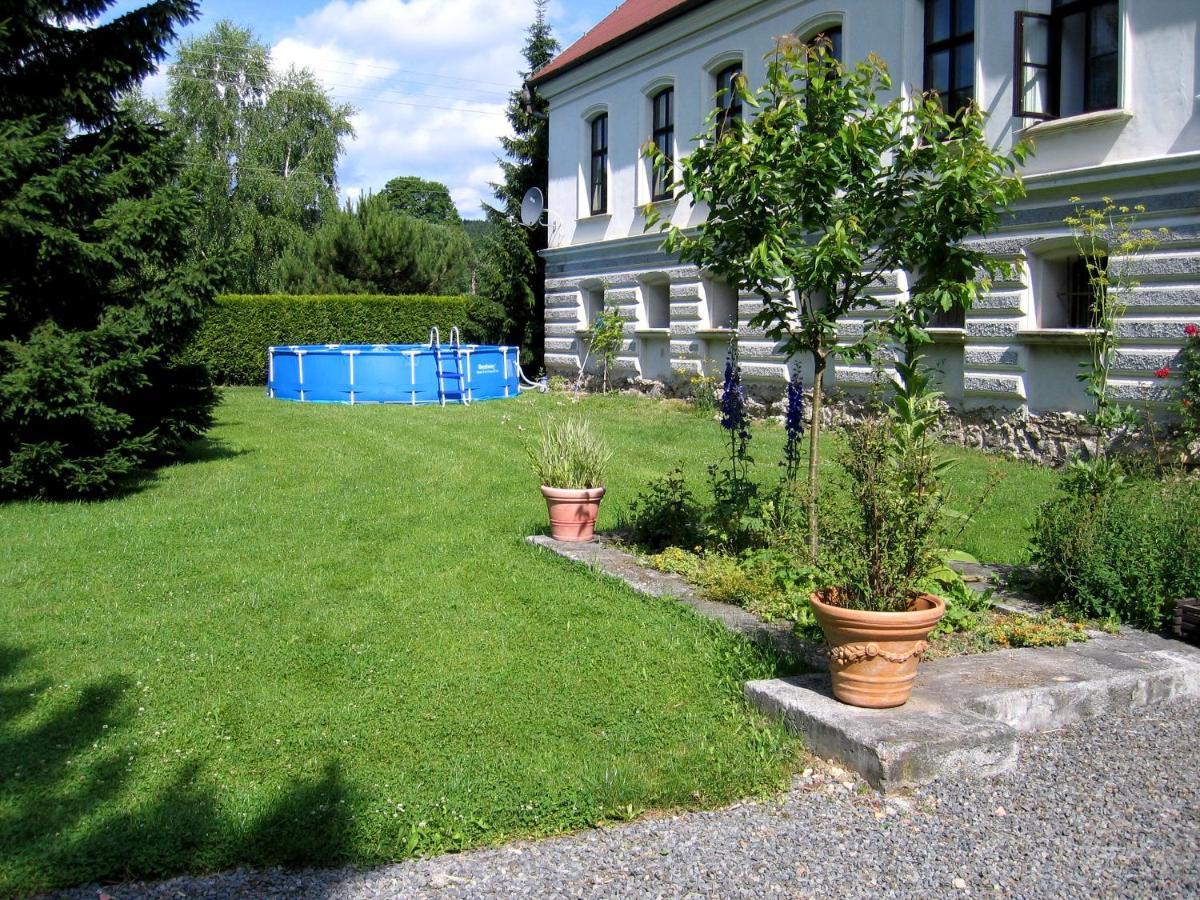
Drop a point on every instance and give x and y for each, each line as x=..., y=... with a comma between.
x=1107, y=809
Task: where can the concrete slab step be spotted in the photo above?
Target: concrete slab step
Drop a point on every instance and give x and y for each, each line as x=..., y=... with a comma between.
x=967, y=713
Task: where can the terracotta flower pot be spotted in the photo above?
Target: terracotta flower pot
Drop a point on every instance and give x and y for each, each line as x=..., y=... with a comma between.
x=573, y=512
x=873, y=656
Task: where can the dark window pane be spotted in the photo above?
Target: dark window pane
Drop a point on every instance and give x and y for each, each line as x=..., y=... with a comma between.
x=939, y=71
x=964, y=65
x=1101, y=89
x=937, y=20
x=965, y=19
x=835, y=41
x=1104, y=35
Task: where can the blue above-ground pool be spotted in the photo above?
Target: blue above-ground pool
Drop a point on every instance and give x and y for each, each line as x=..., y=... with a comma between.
x=412, y=374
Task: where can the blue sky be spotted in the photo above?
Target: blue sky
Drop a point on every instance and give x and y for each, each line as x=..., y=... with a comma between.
x=428, y=78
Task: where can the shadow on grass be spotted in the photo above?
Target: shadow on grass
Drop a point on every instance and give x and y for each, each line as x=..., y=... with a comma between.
x=70, y=814
x=208, y=449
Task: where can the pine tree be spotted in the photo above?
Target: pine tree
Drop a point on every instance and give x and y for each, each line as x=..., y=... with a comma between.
x=95, y=303
x=521, y=286
x=369, y=248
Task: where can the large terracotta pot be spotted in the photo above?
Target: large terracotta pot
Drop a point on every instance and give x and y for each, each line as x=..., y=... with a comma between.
x=573, y=512
x=873, y=656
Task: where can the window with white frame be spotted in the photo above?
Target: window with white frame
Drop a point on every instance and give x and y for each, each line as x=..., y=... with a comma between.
x=729, y=101
x=950, y=52
x=598, y=171
x=1068, y=61
x=1064, y=289
x=663, y=125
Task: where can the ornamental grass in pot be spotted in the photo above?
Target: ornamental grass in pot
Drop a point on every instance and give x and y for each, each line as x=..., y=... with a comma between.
x=569, y=460
x=877, y=615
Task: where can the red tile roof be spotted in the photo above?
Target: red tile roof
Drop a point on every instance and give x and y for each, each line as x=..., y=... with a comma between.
x=627, y=21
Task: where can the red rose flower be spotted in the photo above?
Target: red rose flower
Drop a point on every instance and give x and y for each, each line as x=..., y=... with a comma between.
x=1191, y=330
x=1164, y=372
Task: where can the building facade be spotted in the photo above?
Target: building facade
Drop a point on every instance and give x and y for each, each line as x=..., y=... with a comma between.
x=1108, y=91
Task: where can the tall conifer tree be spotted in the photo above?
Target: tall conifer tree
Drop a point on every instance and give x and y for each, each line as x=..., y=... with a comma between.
x=518, y=274
x=95, y=299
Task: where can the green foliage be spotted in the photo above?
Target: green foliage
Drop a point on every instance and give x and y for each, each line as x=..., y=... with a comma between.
x=1128, y=552
x=97, y=292
x=965, y=608
x=702, y=391
x=666, y=514
x=237, y=331
x=261, y=152
x=1189, y=385
x=823, y=188
x=1100, y=233
x=604, y=340
x=428, y=201
x=512, y=272
x=887, y=544
x=506, y=275
x=767, y=582
x=568, y=454
x=367, y=248
x=1044, y=630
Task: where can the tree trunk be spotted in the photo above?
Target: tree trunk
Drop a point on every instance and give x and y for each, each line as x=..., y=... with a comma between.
x=820, y=363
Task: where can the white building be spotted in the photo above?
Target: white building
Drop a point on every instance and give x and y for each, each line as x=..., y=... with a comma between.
x=1109, y=92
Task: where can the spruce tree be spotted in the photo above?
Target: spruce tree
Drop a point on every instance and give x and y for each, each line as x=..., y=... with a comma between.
x=95, y=301
x=518, y=280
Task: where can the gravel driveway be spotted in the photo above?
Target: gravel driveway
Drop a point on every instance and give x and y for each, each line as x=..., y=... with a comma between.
x=1106, y=809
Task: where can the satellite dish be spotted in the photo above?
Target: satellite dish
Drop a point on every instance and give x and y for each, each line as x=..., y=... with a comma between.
x=532, y=207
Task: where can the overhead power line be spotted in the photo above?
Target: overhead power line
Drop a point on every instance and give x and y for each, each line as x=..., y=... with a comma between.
x=482, y=96
x=471, y=107
x=220, y=47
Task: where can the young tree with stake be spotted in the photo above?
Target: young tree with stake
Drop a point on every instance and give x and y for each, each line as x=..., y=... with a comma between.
x=822, y=189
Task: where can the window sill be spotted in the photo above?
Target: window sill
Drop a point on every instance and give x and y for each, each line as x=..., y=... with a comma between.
x=947, y=335
x=1058, y=337
x=1069, y=123
x=665, y=203
x=594, y=217
x=652, y=332
x=714, y=332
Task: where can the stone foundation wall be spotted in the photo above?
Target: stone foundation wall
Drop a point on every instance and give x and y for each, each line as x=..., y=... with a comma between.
x=1049, y=438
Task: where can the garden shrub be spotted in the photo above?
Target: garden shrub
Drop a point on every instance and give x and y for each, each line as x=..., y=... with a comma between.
x=237, y=331
x=1128, y=552
x=666, y=514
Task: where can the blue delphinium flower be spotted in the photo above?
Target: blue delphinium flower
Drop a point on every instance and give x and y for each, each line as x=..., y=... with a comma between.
x=793, y=419
x=733, y=400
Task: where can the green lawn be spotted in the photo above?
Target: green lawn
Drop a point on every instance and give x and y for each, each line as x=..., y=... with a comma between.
x=324, y=640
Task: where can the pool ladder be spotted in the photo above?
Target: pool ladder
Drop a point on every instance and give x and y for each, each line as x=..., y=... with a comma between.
x=445, y=373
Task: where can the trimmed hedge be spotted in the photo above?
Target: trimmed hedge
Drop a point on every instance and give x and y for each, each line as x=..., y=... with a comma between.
x=237, y=330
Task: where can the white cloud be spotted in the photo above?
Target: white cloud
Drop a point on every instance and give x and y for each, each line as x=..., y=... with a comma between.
x=429, y=80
